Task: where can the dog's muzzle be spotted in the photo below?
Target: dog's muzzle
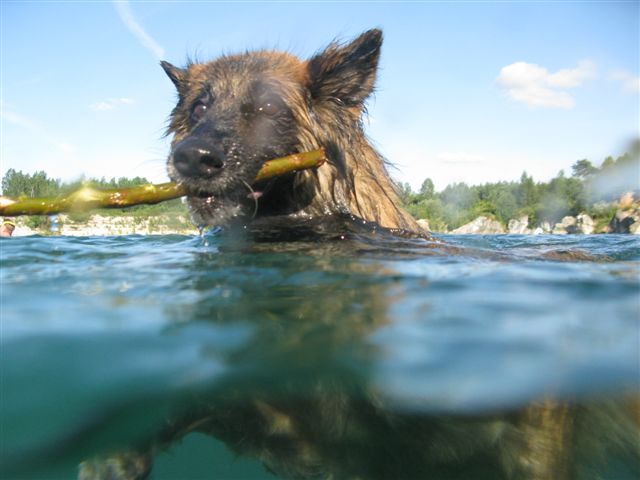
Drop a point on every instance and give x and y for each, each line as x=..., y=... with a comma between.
x=195, y=158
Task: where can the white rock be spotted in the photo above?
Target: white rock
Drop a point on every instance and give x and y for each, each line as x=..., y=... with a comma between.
x=546, y=227
x=482, y=226
x=519, y=225
x=585, y=223
x=424, y=224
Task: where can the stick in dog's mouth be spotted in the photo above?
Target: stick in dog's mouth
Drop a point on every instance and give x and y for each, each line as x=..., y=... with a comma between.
x=88, y=198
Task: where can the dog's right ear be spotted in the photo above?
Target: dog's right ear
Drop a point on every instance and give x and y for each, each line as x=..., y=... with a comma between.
x=346, y=73
x=177, y=75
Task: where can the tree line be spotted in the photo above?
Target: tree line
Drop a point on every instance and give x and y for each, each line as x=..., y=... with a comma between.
x=39, y=184
x=17, y=184
x=590, y=189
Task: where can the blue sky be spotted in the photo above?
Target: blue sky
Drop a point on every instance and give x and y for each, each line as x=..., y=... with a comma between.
x=467, y=91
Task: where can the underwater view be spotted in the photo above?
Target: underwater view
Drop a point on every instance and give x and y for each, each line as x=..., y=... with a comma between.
x=368, y=356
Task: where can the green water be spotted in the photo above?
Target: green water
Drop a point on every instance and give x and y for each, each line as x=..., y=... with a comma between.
x=106, y=342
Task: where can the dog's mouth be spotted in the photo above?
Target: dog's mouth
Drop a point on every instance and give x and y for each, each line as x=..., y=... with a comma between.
x=210, y=196
x=229, y=193
x=237, y=188
x=218, y=202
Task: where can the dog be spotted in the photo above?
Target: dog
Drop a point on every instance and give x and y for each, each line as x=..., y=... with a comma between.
x=238, y=111
x=233, y=114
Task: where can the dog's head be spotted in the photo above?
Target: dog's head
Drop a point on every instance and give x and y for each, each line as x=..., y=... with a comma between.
x=236, y=112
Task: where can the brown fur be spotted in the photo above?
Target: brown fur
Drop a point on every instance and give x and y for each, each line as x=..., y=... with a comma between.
x=323, y=100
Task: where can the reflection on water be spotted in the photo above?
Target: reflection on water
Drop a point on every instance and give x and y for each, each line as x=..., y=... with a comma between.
x=360, y=358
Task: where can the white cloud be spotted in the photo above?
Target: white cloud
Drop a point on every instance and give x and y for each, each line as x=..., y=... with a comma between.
x=126, y=15
x=630, y=83
x=110, y=104
x=101, y=106
x=535, y=86
x=573, y=77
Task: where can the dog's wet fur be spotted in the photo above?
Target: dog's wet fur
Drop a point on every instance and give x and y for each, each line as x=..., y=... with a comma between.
x=233, y=114
x=238, y=111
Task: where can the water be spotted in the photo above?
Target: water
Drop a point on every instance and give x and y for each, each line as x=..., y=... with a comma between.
x=106, y=341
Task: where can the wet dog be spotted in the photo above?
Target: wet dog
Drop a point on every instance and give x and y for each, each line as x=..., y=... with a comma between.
x=238, y=111
x=233, y=114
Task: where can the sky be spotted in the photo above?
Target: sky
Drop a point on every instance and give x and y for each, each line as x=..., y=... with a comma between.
x=467, y=91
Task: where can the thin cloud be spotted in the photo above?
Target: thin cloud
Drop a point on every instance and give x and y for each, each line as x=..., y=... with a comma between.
x=126, y=15
x=535, y=86
x=110, y=104
x=630, y=83
x=36, y=128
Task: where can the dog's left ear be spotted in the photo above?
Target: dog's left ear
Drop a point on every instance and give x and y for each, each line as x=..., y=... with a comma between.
x=346, y=73
x=177, y=75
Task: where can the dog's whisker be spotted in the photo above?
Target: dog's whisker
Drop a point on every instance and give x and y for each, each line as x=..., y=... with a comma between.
x=255, y=196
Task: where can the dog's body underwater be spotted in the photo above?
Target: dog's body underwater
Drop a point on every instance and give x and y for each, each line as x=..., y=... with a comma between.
x=232, y=115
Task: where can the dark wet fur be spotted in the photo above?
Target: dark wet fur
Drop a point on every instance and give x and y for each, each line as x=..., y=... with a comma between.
x=239, y=111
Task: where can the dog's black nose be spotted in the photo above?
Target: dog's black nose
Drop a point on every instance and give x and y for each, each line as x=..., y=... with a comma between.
x=195, y=158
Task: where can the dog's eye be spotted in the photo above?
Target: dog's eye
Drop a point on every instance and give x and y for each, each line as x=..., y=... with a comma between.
x=198, y=111
x=269, y=108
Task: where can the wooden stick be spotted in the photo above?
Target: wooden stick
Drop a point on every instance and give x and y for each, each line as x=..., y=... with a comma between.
x=88, y=198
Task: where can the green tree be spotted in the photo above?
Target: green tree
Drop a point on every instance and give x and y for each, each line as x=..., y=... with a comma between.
x=608, y=163
x=505, y=204
x=552, y=208
x=459, y=195
x=15, y=184
x=404, y=191
x=562, y=196
x=484, y=208
x=527, y=195
x=427, y=190
x=583, y=169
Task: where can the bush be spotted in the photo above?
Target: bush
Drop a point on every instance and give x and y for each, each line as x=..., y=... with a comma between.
x=38, y=222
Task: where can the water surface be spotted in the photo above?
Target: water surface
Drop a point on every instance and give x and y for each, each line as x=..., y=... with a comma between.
x=103, y=338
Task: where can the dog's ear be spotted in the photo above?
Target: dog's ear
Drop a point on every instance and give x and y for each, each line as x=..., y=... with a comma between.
x=177, y=75
x=346, y=73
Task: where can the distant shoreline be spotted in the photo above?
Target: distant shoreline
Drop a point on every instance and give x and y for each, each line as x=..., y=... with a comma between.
x=100, y=225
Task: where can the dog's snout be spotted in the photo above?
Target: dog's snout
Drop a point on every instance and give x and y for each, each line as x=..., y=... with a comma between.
x=194, y=158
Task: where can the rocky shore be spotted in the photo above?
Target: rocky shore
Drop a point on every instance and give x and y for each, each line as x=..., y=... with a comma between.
x=99, y=225
x=625, y=220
